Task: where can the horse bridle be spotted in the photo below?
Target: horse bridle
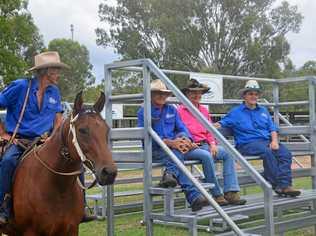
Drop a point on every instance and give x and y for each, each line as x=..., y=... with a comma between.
x=85, y=161
x=87, y=164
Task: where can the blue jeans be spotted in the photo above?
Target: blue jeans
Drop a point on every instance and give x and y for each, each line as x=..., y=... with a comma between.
x=191, y=192
x=208, y=164
x=276, y=163
x=8, y=164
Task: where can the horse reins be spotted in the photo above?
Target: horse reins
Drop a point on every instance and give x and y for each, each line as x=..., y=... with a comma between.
x=21, y=113
x=77, y=172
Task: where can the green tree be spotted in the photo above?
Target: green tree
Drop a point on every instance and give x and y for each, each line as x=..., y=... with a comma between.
x=92, y=93
x=19, y=39
x=235, y=37
x=309, y=68
x=79, y=76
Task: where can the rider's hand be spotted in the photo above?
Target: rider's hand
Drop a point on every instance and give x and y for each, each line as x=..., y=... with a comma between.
x=217, y=125
x=6, y=136
x=274, y=145
x=213, y=150
x=45, y=137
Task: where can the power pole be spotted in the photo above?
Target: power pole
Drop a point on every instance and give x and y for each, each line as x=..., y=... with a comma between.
x=72, y=32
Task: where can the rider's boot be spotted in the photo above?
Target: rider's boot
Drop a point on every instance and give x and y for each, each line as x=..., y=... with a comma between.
x=87, y=217
x=5, y=209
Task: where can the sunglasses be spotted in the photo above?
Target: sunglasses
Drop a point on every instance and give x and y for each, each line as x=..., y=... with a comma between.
x=253, y=94
x=160, y=94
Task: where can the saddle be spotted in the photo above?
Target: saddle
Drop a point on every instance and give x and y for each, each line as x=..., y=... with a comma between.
x=26, y=144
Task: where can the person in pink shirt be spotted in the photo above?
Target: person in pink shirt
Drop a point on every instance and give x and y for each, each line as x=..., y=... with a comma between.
x=205, y=140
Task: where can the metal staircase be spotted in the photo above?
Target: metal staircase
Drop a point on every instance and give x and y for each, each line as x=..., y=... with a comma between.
x=271, y=208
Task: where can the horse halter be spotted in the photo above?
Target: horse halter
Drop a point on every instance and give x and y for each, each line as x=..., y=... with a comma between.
x=85, y=161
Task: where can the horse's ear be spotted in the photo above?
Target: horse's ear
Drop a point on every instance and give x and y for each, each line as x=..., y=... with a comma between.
x=78, y=103
x=98, y=106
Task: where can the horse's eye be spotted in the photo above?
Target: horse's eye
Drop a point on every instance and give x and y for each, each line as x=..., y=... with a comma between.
x=84, y=130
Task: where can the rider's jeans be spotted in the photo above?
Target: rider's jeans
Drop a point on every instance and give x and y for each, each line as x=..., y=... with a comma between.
x=8, y=165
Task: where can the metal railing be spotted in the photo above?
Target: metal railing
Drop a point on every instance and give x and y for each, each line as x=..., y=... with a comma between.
x=146, y=66
x=249, y=168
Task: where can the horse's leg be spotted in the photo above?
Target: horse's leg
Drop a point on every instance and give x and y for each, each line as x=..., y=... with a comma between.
x=74, y=231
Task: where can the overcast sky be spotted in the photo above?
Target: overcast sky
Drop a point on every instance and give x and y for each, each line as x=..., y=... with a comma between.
x=54, y=18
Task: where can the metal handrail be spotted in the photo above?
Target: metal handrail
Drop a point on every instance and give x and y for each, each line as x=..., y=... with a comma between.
x=196, y=183
x=177, y=72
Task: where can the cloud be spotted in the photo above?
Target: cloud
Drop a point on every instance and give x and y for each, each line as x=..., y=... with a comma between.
x=53, y=18
x=303, y=46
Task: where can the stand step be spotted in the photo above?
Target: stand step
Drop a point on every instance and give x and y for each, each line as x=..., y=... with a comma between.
x=177, y=189
x=254, y=206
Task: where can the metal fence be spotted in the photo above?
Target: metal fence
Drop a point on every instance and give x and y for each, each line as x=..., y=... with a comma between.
x=148, y=69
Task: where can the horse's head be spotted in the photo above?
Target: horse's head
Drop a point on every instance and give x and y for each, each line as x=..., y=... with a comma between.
x=90, y=139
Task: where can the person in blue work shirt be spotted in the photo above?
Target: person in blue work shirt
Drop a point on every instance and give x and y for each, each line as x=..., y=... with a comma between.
x=43, y=114
x=256, y=134
x=168, y=125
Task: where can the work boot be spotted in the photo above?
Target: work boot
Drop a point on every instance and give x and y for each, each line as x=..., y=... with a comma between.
x=3, y=217
x=234, y=198
x=199, y=203
x=221, y=200
x=168, y=181
x=287, y=192
x=87, y=217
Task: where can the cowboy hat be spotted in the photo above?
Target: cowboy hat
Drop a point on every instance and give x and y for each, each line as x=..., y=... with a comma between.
x=194, y=85
x=158, y=86
x=251, y=85
x=46, y=60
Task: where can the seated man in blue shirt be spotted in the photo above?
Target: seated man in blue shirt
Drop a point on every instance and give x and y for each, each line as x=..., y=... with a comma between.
x=168, y=125
x=43, y=114
x=256, y=134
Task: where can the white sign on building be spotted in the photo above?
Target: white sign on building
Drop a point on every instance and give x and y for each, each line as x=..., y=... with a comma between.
x=117, y=111
x=214, y=82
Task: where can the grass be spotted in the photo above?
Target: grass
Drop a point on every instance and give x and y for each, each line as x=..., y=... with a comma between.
x=129, y=224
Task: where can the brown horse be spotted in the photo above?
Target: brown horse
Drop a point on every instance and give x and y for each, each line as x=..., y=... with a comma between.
x=47, y=199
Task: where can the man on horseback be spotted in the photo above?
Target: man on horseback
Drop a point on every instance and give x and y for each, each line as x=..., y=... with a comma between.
x=33, y=108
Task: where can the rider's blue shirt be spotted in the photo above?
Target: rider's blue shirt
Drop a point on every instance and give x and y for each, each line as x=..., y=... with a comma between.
x=166, y=122
x=249, y=124
x=36, y=121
